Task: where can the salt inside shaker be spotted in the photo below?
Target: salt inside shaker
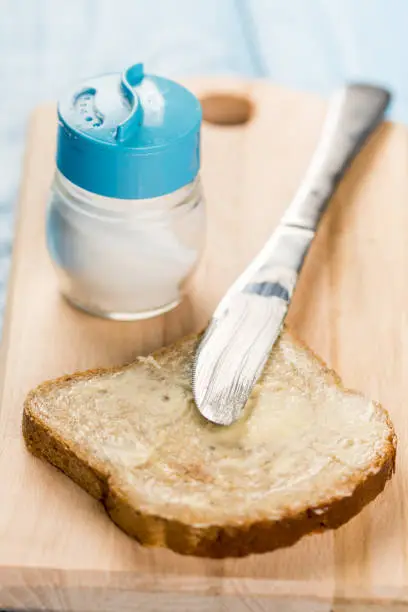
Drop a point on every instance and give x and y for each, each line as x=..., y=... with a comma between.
x=125, y=218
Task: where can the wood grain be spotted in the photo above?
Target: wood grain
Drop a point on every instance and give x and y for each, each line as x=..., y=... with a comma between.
x=58, y=550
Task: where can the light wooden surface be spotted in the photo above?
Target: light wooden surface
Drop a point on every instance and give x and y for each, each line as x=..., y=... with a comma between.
x=58, y=549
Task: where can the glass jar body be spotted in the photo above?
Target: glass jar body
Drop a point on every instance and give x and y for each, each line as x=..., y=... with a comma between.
x=124, y=259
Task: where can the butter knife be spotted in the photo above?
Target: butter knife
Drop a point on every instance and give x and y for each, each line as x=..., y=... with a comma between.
x=247, y=322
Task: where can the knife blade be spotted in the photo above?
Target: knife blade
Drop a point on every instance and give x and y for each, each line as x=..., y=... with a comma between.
x=247, y=322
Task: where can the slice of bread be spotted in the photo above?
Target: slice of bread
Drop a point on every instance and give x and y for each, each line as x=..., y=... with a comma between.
x=307, y=455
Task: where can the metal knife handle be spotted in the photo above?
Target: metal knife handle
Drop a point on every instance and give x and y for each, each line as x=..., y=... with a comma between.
x=353, y=115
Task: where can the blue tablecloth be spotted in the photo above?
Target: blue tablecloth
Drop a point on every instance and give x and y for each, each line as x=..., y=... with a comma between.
x=308, y=44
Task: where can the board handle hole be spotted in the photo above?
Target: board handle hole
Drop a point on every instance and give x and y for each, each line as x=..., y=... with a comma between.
x=226, y=109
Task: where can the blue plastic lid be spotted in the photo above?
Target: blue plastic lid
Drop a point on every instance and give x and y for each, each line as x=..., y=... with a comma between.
x=129, y=136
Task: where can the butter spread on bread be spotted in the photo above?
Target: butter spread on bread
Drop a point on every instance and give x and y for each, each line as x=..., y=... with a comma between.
x=307, y=454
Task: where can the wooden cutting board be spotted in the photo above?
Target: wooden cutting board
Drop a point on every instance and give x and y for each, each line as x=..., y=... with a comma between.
x=58, y=549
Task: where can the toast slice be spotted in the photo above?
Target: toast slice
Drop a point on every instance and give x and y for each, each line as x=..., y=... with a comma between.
x=306, y=456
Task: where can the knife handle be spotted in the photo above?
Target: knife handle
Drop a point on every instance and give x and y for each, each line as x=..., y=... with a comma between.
x=354, y=113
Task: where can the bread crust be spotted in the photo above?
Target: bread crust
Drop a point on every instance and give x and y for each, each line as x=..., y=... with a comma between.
x=215, y=541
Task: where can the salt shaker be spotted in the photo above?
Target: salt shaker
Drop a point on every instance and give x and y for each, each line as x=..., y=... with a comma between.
x=126, y=217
